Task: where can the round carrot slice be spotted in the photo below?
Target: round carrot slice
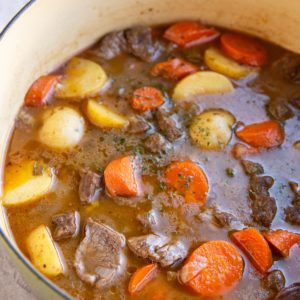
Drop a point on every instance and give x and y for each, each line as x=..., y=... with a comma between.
x=141, y=277
x=213, y=269
x=147, y=98
x=244, y=49
x=255, y=247
x=188, y=179
x=282, y=240
x=265, y=134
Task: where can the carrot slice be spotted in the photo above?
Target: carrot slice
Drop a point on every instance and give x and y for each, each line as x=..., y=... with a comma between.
x=252, y=242
x=188, y=179
x=174, y=69
x=212, y=269
x=40, y=89
x=188, y=34
x=240, y=150
x=141, y=277
x=121, y=178
x=282, y=240
x=266, y=134
x=147, y=98
x=244, y=49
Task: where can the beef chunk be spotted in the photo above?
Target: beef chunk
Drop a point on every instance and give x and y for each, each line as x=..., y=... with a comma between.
x=155, y=143
x=66, y=225
x=252, y=168
x=140, y=43
x=259, y=186
x=112, y=45
x=171, y=254
x=292, y=215
x=264, y=209
x=25, y=121
x=279, y=111
x=263, y=205
x=291, y=292
x=138, y=125
x=89, y=185
x=148, y=220
x=146, y=246
x=224, y=219
x=274, y=281
x=98, y=258
x=295, y=101
x=288, y=67
x=168, y=126
x=295, y=189
x=158, y=248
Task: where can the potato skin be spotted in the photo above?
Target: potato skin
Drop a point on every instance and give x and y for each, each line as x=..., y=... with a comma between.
x=62, y=129
x=218, y=62
x=212, y=129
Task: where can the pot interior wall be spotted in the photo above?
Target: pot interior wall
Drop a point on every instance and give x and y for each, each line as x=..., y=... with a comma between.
x=50, y=31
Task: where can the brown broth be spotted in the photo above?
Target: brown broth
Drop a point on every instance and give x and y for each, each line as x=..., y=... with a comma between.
x=186, y=222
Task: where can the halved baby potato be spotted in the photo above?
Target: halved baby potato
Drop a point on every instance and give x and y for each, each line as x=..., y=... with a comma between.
x=212, y=129
x=26, y=182
x=203, y=82
x=62, y=129
x=218, y=62
x=84, y=78
x=102, y=116
x=44, y=253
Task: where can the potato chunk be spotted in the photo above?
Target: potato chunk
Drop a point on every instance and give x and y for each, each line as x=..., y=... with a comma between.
x=212, y=129
x=84, y=78
x=63, y=128
x=26, y=182
x=102, y=116
x=203, y=82
x=218, y=62
x=44, y=253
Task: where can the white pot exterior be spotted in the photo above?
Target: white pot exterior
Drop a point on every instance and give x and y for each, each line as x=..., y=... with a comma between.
x=48, y=32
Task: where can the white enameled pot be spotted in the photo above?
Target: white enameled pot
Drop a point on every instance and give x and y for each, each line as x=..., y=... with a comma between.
x=45, y=33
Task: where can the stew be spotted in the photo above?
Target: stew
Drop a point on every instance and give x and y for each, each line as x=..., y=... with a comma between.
x=162, y=163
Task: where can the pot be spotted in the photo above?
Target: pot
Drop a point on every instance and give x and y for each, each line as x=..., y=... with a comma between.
x=46, y=33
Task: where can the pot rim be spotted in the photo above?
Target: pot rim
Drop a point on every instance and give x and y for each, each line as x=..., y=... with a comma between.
x=6, y=240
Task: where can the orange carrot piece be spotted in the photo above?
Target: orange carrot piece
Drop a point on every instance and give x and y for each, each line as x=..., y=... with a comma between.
x=141, y=277
x=121, y=178
x=174, y=69
x=252, y=242
x=244, y=49
x=266, y=134
x=188, y=179
x=212, y=269
x=282, y=240
x=240, y=150
x=40, y=89
x=188, y=34
x=147, y=98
